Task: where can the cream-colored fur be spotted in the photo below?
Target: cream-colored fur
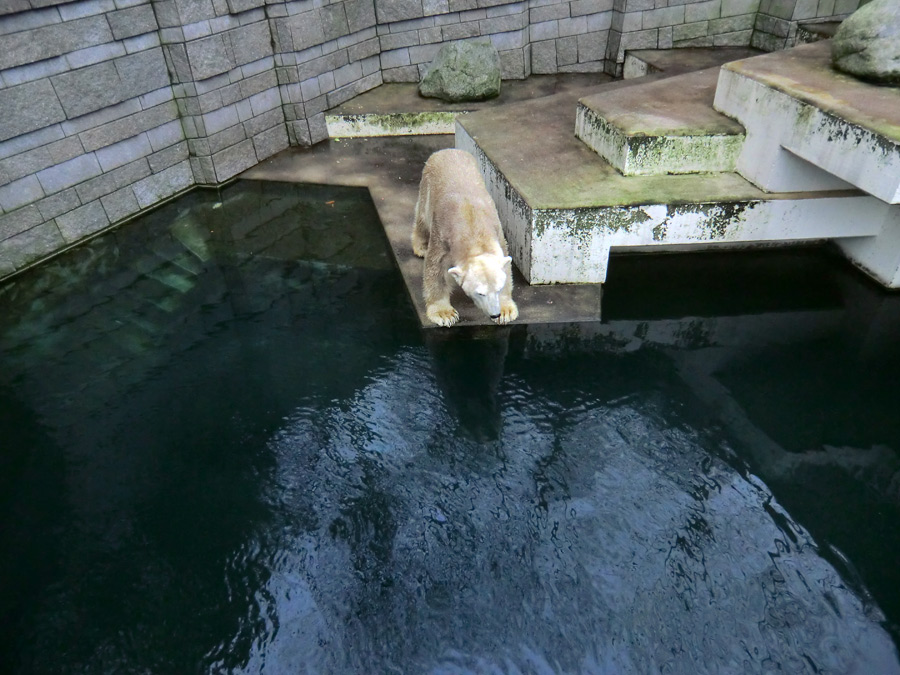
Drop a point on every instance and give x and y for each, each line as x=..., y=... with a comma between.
x=458, y=232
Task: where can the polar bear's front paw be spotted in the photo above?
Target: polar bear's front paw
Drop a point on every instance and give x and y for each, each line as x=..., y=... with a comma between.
x=508, y=312
x=442, y=313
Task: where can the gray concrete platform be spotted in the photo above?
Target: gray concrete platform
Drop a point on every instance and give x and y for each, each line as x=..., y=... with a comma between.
x=391, y=168
x=396, y=109
x=667, y=126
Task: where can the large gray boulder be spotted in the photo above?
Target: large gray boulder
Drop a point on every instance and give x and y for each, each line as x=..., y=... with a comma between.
x=463, y=71
x=867, y=43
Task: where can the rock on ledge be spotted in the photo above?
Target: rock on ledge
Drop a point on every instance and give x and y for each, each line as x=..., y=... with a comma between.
x=463, y=71
x=867, y=44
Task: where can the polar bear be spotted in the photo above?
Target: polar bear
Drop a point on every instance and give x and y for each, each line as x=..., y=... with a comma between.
x=457, y=231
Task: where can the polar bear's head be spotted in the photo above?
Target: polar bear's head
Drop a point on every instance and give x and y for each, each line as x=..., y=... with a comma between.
x=482, y=277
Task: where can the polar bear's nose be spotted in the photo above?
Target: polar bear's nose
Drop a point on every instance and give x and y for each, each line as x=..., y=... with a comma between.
x=495, y=316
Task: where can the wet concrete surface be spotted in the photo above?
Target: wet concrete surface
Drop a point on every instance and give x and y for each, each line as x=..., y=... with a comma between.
x=391, y=169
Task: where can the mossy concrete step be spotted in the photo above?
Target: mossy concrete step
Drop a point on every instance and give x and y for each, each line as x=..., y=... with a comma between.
x=564, y=208
x=641, y=62
x=397, y=109
x=666, y=126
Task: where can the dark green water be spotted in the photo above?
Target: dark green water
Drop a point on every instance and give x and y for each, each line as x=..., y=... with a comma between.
x=227, y=447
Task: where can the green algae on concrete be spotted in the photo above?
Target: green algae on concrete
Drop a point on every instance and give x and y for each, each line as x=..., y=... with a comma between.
x=391, y=124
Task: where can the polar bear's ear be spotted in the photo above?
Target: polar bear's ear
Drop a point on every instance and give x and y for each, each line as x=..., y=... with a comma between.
x=507, y=259
x=456, y=273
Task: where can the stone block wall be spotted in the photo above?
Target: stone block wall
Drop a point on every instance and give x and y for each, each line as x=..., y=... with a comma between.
x=109, y=107
x=776, y=22
x=89, y=126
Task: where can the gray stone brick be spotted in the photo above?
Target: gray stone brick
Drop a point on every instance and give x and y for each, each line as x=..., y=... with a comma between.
x=31, y=245
x=360, y=14
x=306, y=30
x=59, y=203
x=583, y=7
x=270, y=141
x=567, y=51
x=20, y=220
x=732, y=24
x=35, y=71
x=574, y=26
x=124, y=152
x=543, y=57
x=92, y=55
x=733, y=7
x=689, y=31
x=265, y=101
x=153, y=189
x=702, y=11
x=20, y=192
x=507, y=41
x=423, y=53
x=389, y=11
x=139, y=43
x=334, y=21
x=462, y=5
x=645, y=39
x=142, y=72
x=666, y=16
x=264, y=122
x=112, y=180
x=30, y=141
x=88, y=89
x=177, y=62
x=257, y=83
x=28, y=107
x=432, y=7
x=120, y=129
x=547, y=30
x=209, y=57
x=318, y=129
x=460, y=31
x=231, y=161
x=120, y=204
x=364, y=50
x=67, y=174
x=28, y=46
x=191, y=11
x=238, y=6
x=598, y=22
x=549, y=13
x=165, y=158
x=402, y=74
x=126, y=23
x=251, y=42
x=227, y=138
x=504, y=24
x=399, y=40
x=591, y=47
x=26, y=163
x=83, y=221
x=737, y=39
x=220, y=119
x=165, y=135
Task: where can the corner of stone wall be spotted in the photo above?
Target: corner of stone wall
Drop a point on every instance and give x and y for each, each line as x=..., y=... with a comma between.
x=777, y=22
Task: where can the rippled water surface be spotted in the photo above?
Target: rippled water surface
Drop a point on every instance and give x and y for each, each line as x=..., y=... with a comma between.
x=227, y=447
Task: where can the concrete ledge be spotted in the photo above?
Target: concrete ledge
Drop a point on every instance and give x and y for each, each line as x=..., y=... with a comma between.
x=666, y=126
x=391, y=124
x=795, y=101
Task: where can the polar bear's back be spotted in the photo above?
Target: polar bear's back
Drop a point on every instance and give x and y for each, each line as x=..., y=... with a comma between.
x=453, y=170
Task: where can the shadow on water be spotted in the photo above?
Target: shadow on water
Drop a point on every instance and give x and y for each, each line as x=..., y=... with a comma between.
x=228, y=447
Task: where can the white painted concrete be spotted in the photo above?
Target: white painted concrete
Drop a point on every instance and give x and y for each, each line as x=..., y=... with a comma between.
x=792, y=145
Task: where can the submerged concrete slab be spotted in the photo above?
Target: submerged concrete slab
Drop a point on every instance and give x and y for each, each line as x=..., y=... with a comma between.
x=391, y=168
x=666, y=126
x=836, y=125
x=397, y=109
x=564, y=208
